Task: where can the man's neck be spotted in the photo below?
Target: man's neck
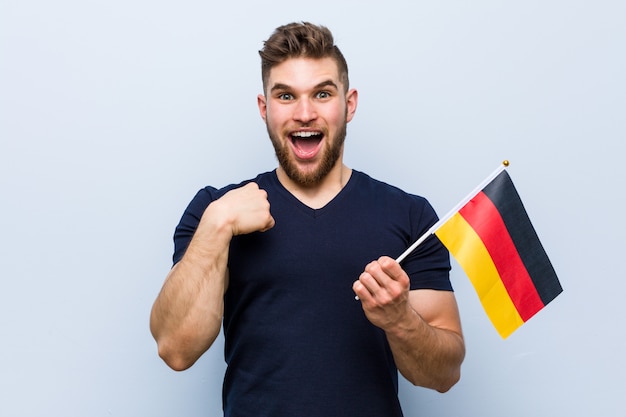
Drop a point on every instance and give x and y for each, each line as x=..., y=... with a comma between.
x=319, y=195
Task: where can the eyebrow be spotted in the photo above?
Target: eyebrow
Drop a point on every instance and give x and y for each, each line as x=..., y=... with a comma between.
x=327, y=83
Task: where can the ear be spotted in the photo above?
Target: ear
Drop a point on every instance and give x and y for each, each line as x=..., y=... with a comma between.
x=352, y=99
x=262, y=103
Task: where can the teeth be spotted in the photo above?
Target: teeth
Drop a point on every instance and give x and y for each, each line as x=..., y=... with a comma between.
x=305, y=134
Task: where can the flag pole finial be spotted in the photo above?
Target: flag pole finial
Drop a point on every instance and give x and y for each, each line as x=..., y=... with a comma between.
x=505, y=162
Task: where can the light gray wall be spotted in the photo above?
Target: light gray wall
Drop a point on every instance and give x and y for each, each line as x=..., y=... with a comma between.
x=113, y=113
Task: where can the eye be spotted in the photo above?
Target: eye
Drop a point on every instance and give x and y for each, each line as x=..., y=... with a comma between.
x=323, y=94
x=285, y=96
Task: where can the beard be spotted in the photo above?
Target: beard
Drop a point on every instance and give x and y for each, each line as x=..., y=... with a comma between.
x=329, y=155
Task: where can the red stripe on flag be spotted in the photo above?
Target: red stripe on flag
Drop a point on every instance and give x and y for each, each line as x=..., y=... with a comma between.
x=485, y=219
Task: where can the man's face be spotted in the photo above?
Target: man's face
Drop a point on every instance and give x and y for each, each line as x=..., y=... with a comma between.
x=306, y=112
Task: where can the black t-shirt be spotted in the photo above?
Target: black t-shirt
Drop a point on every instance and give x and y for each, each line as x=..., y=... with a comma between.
x=297, y=342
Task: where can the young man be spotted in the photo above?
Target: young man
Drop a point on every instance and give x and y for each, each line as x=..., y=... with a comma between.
x=280, y=259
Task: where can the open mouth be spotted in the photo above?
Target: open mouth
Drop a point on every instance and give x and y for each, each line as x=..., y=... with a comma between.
x=306, y=143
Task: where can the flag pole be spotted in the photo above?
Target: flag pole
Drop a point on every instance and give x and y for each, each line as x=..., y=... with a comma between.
x=456, y=208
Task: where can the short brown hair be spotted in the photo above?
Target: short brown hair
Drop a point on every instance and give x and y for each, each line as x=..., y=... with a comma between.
x=301, y=40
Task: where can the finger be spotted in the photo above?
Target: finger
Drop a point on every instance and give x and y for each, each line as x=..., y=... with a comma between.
x=376, y=271
x=393, y=270
x=360, y=291
x=369, y=282
x=357, y=287
x=397, y=281
x=270, y=223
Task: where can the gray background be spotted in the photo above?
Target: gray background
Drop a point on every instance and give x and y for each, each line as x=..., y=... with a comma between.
x=114, y=113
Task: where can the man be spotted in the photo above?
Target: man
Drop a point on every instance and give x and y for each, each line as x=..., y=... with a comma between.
x=280, y=259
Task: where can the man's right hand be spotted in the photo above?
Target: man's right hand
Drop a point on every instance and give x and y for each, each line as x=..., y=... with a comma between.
x=245, y=210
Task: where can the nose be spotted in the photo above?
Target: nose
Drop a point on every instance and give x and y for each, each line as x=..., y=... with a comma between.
x=304, y=111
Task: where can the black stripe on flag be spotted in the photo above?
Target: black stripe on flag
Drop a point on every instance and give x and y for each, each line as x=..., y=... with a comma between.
x=504, y=196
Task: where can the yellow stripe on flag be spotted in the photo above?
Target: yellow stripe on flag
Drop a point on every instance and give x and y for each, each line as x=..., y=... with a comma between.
x=468, y=250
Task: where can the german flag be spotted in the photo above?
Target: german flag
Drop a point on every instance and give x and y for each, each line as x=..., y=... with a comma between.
x=493, y=240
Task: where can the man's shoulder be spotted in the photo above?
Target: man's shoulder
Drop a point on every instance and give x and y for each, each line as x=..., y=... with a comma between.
x=379, y=188
x=211, y=193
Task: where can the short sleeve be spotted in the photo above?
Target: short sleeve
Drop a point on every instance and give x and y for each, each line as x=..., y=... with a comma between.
x=428, y=265
x=190, y=220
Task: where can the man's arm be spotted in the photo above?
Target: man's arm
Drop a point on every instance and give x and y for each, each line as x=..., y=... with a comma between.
x=422, y=326
x=187, y=314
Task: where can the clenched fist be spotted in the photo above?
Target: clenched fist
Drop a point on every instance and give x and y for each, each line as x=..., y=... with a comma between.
x=244, y=210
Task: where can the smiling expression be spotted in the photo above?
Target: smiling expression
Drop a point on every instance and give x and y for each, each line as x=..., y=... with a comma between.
x=306, y=110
